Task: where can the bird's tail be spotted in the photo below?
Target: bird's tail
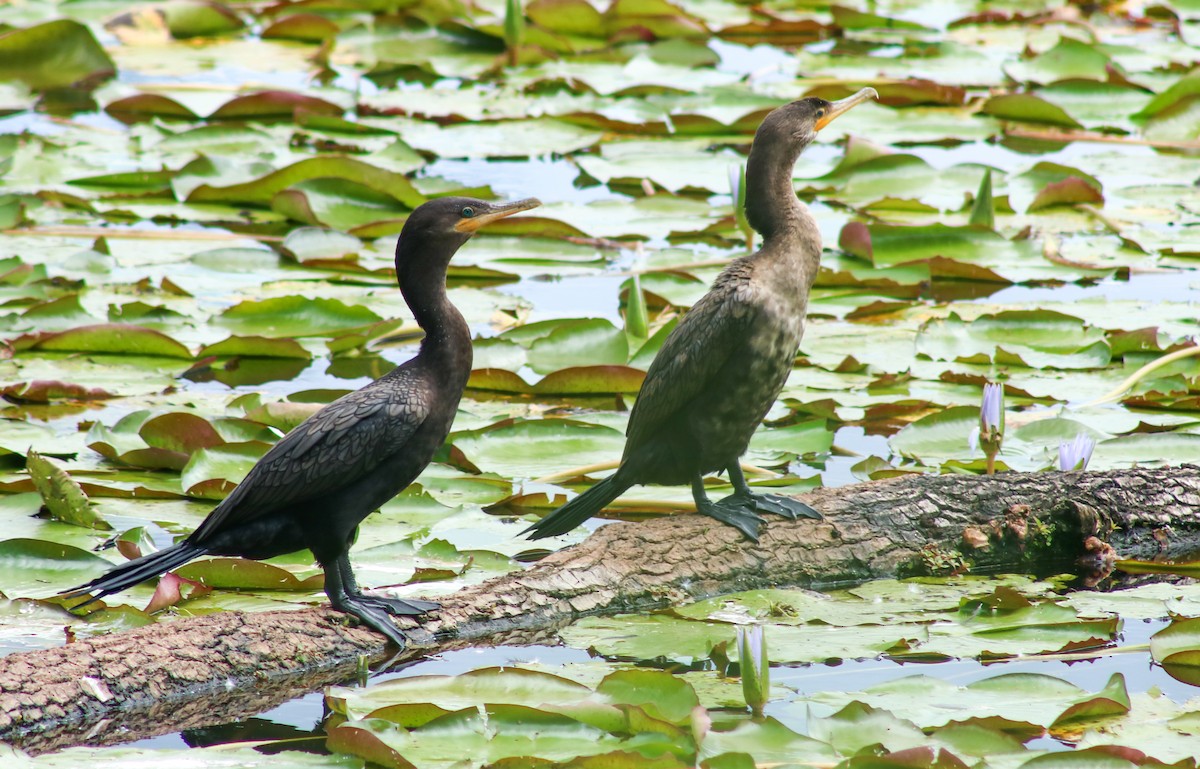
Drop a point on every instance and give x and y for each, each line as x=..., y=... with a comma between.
x=138, y=570
x=580, y=508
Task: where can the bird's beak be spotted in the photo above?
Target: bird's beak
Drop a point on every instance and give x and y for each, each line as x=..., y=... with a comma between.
x=497, y=212
x=844, y=105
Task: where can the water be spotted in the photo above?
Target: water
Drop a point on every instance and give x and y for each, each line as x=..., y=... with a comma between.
x=305, y=716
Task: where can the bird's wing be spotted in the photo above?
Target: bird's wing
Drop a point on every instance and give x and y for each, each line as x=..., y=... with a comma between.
x=333, y=448
x=690, y=357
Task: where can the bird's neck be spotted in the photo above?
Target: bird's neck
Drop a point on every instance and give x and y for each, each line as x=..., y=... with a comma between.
x=772, y=207
x=447, y=342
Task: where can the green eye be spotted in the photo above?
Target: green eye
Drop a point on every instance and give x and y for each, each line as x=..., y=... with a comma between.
x=468, y=212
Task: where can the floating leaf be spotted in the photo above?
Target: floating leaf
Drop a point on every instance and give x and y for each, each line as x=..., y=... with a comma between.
x=108, y=338
x=34, y=566
x=273, y=105
x=261, y=191
x=213, y=472
x=256, y=347
x=198, y=18
x=245, y=574
x=56, y=54
x=295, y=316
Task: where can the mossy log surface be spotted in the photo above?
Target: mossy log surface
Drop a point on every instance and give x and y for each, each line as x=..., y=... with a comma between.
x=222, y=667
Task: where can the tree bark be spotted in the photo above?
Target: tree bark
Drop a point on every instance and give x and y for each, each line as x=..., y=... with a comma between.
x=222, y=667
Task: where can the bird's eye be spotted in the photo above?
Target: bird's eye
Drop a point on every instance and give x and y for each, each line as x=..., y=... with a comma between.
x=468, y=212
x=820, y=113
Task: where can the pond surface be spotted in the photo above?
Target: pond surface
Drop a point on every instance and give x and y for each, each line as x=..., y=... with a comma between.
x=1020, y=207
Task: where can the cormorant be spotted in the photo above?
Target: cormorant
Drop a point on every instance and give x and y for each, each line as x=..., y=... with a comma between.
x=314, y=486
x=720, y=370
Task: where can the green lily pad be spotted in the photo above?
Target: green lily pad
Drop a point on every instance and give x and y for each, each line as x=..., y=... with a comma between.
x=245, y=574
x=56, y=54
x=529, y=449
x=295, y=316
x=198, y=18
x=261, y=191
x=108, y=338
x=37, y=567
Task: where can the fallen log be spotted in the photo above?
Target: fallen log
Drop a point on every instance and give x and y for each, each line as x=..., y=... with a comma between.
x=217, y=668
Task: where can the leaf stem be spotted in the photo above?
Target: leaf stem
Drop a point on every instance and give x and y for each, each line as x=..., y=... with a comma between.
x=1139, y=375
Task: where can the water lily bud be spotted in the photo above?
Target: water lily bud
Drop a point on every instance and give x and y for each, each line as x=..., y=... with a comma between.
x=991, y=423
x=1076, y=454
x=755, y=665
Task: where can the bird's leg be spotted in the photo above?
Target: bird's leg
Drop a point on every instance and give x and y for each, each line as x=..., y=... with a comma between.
x=767, y=503
x=368, y=613
x=397, y=606
x=731, y=511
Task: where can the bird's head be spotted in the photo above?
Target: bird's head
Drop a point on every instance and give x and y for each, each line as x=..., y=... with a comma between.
x=442, y=225
x=795, y=125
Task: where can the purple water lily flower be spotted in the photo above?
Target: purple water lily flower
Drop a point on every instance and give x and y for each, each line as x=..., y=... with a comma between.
x=991, y=423
x=1076, y=454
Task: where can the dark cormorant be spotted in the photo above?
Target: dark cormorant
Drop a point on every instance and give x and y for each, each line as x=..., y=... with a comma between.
x=314, y=486
x=720, y=370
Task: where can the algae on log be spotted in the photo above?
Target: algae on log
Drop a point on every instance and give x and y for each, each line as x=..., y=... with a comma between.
x=220, y=667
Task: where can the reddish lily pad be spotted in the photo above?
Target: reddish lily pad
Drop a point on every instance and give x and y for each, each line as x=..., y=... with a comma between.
x=144, y=107
x=273, y=105
x=305, y=27
x=48, y=391
x=181, y=432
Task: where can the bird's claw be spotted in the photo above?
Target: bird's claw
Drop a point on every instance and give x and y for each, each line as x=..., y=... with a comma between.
x=789, y=508
x=737, y=512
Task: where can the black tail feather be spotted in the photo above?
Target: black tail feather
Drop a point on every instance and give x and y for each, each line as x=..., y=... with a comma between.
x=133, y=572
x=579, y=509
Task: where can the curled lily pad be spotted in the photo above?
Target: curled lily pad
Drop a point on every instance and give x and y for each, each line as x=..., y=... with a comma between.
x=63, y=497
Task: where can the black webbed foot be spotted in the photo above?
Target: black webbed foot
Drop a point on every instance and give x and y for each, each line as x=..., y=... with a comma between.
x=786, y=506
x=370, y=614
x=399, y=607
x=737, y=512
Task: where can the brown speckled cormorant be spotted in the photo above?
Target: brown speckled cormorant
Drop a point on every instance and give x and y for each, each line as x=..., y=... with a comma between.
x=314, y=487
x=720, y=370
